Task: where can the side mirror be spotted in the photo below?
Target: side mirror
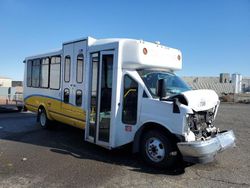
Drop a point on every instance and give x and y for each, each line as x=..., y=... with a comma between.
x=160, y=89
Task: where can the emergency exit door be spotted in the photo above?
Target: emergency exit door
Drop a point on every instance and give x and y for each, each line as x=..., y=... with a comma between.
x=72, y=80
x=99, y=124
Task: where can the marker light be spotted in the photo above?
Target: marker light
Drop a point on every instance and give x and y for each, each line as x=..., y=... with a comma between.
x=145, y=51
x=179, y=57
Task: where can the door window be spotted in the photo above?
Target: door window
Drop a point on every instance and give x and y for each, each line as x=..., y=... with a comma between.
x=66, y=95
x=79, y=68
x=78, y=97
x=130, y=100
x=67, y=65
x=94, y=96
x=106, y=96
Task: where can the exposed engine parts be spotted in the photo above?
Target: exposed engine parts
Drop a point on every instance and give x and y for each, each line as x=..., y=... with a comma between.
x=200, y=123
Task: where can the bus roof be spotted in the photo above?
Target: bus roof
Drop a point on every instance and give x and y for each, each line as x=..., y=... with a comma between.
x=52, y=53
x=135, y=54
x=139, y=54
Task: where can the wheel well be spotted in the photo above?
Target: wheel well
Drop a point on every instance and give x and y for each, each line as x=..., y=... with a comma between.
x=41, y=107
x=147, y=127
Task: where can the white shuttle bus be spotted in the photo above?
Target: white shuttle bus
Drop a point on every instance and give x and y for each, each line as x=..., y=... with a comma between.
x=125, y=91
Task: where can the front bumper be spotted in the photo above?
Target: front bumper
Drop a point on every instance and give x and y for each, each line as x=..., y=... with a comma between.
x=205, y=151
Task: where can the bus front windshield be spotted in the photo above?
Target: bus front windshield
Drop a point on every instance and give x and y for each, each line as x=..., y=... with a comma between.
x=174, y=84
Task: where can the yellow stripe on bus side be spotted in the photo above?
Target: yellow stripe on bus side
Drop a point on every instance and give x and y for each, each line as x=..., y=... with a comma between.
x=57, y=110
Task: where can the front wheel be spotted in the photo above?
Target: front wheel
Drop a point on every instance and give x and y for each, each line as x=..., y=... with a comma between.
x=43, y=119
x=158, y=150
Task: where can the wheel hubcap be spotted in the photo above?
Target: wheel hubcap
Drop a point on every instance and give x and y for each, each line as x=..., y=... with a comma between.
x=43, y=119
x=155, y=149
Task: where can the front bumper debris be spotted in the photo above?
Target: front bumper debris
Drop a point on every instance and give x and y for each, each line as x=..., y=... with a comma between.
x=205, y=151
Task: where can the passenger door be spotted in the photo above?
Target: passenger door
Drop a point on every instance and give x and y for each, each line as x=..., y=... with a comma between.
x=100, y=107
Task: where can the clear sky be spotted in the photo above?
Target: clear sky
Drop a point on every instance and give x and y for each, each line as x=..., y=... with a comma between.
x=213, y=35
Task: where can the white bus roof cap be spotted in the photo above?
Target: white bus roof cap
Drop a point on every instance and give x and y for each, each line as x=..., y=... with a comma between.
x=140, y=54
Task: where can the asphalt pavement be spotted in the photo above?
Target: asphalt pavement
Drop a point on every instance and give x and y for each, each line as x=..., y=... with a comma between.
x=33, y=157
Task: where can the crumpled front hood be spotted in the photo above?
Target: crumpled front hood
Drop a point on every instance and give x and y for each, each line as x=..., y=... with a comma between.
x=200, y=100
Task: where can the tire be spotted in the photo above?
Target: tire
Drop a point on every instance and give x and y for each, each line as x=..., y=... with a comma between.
x=158, y=150
x=19, y=108
x=25, y=109
x=43, y=119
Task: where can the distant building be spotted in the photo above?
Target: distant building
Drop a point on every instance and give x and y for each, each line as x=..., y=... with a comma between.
x=210, y=83
x=224, y=77
x=221, y=84
x=5, y=82
x=237, y=82
x=17, y=83
x=246, y=84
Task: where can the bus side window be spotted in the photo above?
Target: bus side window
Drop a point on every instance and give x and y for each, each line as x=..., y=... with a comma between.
x=130, y=100
x=44, y=73
x=35, y=73
x=55, y=72
x=29, y=72
x=66, y=95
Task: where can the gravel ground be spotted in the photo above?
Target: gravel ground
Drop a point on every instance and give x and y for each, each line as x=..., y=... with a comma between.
x=32, y=157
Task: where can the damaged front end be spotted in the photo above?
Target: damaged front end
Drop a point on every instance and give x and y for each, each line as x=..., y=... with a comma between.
x=201, y=124
x=204, y=151
x=202, y=139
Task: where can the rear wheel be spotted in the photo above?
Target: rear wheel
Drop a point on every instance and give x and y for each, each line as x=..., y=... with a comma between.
x=19, y=108
x=158, y=150
x=43, y=119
